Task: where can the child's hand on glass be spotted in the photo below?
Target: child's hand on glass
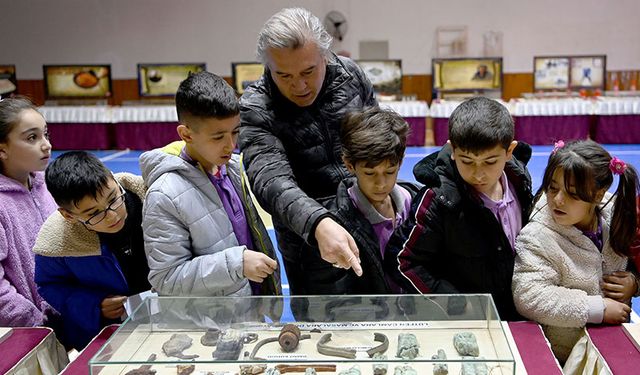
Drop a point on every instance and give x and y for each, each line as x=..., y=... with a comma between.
x=257, y=266
x=620, y=286
x=615, y=312
x=112, y=307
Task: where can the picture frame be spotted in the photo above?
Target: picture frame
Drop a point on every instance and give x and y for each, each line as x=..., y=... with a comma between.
x=551, y=73
x=588, y=72
x=163, y=79
x=244, y=74
x=569, y=72
x=8, y=81
x=467, y=76
x=84, y=81
x=385, y=76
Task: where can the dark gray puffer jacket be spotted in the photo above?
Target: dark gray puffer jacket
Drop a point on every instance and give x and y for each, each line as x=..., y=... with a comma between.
x=292, y=154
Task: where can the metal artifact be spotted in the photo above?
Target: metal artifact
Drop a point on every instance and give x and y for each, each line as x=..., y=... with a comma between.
x=252, y=369
x=144, y=369
x=289, y=337
x=229, y=345
x=283, y=369
x=210, y=338
x=335, y=351
x=176, y=345
x=185, y=369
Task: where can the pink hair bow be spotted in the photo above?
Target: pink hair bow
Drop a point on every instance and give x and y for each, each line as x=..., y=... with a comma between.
x=556, y=146
x=617, y=166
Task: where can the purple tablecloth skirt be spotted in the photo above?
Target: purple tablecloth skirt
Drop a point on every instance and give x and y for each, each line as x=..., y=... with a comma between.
x=144, y=135
x=616, y=348
x=545, y=130
x=418, y=128
x=80, y=366
x=617, y=129
x=534, y=349
x=534, y=130
x=80, y=136
x=440, y=130
x=18, y=344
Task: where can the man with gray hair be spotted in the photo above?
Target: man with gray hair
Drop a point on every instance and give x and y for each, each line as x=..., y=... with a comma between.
x=289, y=134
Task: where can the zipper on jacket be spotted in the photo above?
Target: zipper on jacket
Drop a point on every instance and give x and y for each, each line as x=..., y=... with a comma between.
x=253, y=221
x=37, y=205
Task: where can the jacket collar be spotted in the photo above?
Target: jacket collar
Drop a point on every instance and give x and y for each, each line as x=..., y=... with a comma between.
x=438, y=165
x=370, y=213
x=10, y=185
x=60, y=237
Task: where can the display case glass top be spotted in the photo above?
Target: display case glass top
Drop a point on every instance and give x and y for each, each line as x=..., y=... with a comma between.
x=409, y=334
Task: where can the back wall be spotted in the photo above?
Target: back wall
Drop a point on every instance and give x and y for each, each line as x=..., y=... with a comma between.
x=126, y=32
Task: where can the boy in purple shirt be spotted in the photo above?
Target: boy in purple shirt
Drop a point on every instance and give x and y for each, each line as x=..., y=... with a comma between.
x=202, y=233
x=373, y=204
x=476, y=200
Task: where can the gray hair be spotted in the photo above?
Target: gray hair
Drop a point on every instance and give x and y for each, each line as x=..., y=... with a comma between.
x=292, y=28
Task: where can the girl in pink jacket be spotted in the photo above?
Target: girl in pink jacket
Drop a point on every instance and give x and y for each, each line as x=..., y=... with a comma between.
x=24, y=153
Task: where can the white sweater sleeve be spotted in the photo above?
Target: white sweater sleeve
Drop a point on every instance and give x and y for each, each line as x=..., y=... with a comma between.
x=537, y=290
x=596, y=309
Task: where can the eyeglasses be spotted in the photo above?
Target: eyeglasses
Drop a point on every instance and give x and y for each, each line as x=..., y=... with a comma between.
x=97, y=218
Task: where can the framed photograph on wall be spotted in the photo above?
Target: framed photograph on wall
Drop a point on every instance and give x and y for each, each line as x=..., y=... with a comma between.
x=8, y=81
x=162, y=80
x=550, y=73
x=77, y=81
x=470, y=76
x=385, y=75
x=588, y=72
x=245, y=73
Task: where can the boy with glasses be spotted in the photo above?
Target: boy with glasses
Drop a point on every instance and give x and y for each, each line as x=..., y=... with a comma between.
x=90, y=253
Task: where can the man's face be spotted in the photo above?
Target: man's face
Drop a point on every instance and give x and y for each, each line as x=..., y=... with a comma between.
x=483, y=170
x=298, y=73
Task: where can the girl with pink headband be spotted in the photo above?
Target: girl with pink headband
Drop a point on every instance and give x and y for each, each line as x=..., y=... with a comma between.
x=572, y=258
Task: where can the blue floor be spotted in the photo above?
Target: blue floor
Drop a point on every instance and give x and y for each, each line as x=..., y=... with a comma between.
x=127, y=161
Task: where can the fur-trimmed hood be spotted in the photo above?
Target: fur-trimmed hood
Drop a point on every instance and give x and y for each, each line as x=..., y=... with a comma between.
x=60, y=237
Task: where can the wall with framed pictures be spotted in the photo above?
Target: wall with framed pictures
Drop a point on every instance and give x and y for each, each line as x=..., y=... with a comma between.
x=569, y=72
x=8, y=81
x=162, y=80
x=245, y=73
x=464, y=77
x=385, y=75
x=91, y=81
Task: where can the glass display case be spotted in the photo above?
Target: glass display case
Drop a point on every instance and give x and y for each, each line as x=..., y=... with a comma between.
x=391, y=334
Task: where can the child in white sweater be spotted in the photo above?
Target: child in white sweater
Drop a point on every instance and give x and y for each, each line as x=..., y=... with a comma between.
x=572, y=257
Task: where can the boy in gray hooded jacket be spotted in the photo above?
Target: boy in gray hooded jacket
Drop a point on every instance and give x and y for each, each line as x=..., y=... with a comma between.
x=202, y=233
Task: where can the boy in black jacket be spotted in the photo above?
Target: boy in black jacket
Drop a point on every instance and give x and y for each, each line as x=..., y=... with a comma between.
x=371, y=205
x=476, y=199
